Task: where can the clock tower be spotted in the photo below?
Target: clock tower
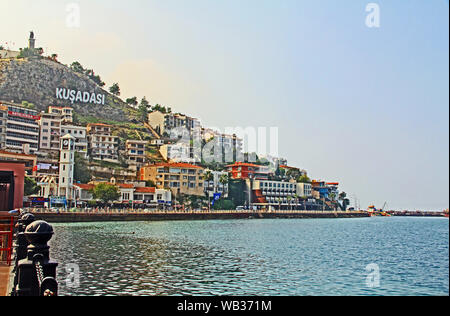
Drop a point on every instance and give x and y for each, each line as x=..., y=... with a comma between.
x=66, y=167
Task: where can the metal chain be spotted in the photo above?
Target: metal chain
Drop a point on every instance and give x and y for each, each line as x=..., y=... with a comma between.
x=39, y=272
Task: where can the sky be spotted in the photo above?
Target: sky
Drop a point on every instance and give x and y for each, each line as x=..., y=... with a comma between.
x=367, y=107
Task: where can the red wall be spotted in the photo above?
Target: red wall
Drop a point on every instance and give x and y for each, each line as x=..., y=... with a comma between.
x=19, y=176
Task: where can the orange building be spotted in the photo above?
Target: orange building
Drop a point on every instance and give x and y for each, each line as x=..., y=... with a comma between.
x=180, y=178
x=242, y=170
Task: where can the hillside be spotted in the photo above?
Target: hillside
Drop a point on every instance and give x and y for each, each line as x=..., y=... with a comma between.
x=44, y=82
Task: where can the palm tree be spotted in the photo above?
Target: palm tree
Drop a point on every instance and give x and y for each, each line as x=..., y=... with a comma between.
x=224, y=180
x=208, y=177
x=289, y=198
x=296, y=200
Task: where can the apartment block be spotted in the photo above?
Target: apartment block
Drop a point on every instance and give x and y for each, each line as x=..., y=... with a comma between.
x=66, y=113
x=179, y=152
x=102, y=145
x=50, y=126
x=180, y=178
x=136, y=152
x=162, y=123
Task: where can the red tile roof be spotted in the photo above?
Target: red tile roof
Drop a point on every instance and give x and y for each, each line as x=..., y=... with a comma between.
x=244, y=164
x=125, y=185
x=16, y=154
x=175, y=165
x=84, y=186
x=99, y=124
x=287, y=167
x=145, y=190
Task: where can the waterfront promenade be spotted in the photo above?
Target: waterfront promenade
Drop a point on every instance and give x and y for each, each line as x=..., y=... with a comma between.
x=129, y=215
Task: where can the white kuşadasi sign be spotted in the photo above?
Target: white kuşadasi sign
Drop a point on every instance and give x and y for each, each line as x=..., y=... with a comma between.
x=75, y=96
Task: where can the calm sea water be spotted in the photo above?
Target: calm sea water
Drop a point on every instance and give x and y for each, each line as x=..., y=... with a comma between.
x=256, y=257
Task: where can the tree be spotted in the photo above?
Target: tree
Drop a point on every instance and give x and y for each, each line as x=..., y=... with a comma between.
x=143, y=112
x=208, y=176
x=114, y=89
x=303, y=179
x=224, y=205
x=76, y=67
x=81, y=172
x=145, y=103
x=30, y=187
x=28, y=105
x=345, y=201
x=132, y=101
x=30, y=52
x=150, y=184
x=224, y=179
x=106, y=192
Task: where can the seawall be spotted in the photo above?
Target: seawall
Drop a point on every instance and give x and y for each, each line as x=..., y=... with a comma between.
x=173, y=216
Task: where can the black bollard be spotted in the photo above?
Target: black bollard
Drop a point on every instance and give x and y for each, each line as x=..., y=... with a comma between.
x=36, y=273
x=21, y=241
x=21, y=244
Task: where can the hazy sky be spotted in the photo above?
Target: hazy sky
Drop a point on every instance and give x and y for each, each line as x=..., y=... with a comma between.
x=368, y=107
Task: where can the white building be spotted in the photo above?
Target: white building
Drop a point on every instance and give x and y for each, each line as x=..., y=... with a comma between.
x=66, y=167
x=102, y=144
x=80, y=134
x=135, y=152
x=216, y=186
x=163, y=122
x=179, y=152
x=304, y=189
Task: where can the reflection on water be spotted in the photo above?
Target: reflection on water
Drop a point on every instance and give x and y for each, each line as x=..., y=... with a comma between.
x=255, y=257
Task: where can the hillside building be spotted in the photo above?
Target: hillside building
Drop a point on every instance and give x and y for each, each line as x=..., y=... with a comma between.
x=102, y=145
x=180, y=178
x=162, y=123
x=135, y=153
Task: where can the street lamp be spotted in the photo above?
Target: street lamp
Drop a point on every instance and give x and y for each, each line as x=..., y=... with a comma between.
x=250, y=177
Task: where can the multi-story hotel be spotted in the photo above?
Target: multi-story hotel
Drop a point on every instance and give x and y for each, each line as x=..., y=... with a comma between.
x=22, y=129
x=102, y=145
x=136, y=153
x=164, y=122
x=3, y=124
x=181, y=178
x=267, y=193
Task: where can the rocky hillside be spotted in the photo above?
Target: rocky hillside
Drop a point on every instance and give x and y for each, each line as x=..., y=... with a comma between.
x=44, y=82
